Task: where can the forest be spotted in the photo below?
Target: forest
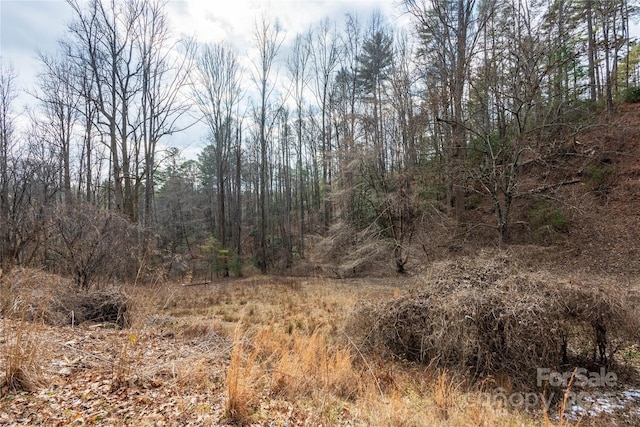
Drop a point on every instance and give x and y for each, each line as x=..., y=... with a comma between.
x=358, y=133
x=427, y=219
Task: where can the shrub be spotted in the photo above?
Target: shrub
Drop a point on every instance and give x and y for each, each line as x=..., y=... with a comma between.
x=547, y=223
x=483, y=323
x=544, y=215
x=596, y=177
x=631, y=95
x=88, y=243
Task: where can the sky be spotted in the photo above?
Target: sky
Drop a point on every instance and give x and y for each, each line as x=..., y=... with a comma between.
x=31, y=26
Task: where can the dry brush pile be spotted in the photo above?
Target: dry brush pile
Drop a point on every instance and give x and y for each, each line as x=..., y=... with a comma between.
x=32, y=294
x=483, y=320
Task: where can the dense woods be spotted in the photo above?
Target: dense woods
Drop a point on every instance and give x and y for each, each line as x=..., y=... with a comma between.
x=352, y=130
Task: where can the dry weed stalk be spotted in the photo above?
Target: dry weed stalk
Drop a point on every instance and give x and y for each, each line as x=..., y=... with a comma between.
x=444, y=393
x=20, y=352
x=123, y=367
x=562, y=407
x=239, y=380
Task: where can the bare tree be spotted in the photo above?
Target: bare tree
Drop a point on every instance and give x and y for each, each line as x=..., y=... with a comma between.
x=165, y=68
x=90, y=149
x=325, y=53
x=134, y=73
x=403, y=207
x=103, y=39
x=31, y=186
x=8, y=95
x=268, y=39
x=298, y=68
x=216, y=90
x=60, y=102
x=283, y=197
x=509, y=114
x=449, y=32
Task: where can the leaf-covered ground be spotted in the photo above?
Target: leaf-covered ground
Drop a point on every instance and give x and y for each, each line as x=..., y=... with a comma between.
x=98, y=376
x=173, y=366
x=170, y=367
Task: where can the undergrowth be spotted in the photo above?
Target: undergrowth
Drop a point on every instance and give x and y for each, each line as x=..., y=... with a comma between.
x=282, y=349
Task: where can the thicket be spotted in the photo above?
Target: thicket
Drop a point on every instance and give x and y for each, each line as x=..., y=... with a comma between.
x=485, y=321
x=77, y=258
x=35, y=295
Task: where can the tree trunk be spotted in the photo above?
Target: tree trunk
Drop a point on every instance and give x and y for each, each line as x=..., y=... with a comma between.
x=591, y=51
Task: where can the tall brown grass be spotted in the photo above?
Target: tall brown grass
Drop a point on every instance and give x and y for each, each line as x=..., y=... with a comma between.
x=444, y=393
x=20, y=354
x=307, y=365
x=284, y=347
x=240, y=378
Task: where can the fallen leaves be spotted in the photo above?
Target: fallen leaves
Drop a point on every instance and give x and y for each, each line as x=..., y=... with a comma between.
x=97, y=376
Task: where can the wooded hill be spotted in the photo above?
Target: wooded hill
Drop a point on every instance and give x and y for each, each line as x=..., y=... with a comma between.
x=354, y=148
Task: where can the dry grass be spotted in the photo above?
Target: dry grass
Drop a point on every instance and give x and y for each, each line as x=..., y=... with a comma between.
x=303, y=365
x=241, y=398
x=290, y=357
x=19, y=342
x=272, y=351
x=20, y=353
x=444, y=392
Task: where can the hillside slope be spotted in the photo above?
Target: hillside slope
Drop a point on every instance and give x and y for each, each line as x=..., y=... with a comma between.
x=576, y=209
x=603, y=207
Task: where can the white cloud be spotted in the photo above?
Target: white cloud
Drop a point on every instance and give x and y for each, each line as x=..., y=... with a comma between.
x=29, y=26
x=26, y=28
x=234, y=20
